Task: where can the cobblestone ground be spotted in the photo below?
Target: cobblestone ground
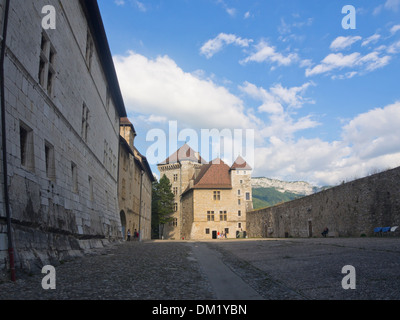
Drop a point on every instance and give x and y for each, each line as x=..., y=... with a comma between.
x=302, y=269
x=278, y=269
x=127, y=271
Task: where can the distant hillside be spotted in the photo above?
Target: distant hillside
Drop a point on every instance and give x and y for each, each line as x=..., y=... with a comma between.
x=266, y=197
x=268, y=192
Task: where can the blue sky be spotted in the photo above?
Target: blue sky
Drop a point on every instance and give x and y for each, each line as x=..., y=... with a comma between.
x=323, y=101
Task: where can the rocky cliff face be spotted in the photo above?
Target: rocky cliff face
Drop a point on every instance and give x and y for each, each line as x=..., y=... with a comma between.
x=297, y=187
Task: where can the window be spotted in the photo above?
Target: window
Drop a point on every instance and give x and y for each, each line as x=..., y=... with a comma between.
x=175, y=190
x=217, y=195
x=49, y=161
x=85, y=122
x=226, y=231
x=239, y=213
x=240, y=181
x=238, y=192
x=210, y=215
x=247, y=195
x=238, y=201
x=222, y=216
x=239, y=225
x=175, y=177
x=74, y=172
x=105, y=156
x=91, y=195
x=46, y=64
x=108, y=99
x=26, y=144
x=207, y=231
x=89, y=50
x=175, y=207
x=174, y=222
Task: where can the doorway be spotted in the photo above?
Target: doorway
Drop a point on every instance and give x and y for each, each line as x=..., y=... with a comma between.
x=214, y=234
x=309, y=228
x=123, y=223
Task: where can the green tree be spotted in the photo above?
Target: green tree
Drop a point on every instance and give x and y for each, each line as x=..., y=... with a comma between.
x=162, y=204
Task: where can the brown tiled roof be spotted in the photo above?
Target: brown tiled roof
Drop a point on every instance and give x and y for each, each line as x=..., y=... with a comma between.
x=240, y=163
x=124, y=121
x=183, y=153
x=214, y=175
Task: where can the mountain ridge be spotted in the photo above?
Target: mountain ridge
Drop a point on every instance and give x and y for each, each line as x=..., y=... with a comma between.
x=268, y=192
x=296, y=187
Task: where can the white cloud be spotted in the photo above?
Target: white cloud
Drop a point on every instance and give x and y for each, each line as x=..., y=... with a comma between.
x=269, y=102
x=373, y=61
x=140, y=5
x=333, y=61
x=369, y=141
x=391, y=5
x=374, y=133
x=341, y=43
x=368, y=62
x=246, y=15
x=311, y=160
x=157, y=119
x=119, y=2
x=266, y=53
x=293, y=97
x=215, y=45
x=230, y=11
x=372, y=39
x=160, y=87
x=395, y=28
x=279, y=103
x=394, y=47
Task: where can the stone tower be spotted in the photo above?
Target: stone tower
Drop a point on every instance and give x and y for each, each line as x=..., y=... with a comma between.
x=179, y=168
x=241, y=181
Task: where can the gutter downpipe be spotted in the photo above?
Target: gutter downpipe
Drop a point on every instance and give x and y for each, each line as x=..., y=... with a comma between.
x=4, y=142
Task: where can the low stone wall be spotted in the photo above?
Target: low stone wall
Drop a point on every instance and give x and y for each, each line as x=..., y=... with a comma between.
x=350, y=210
x=35, y=248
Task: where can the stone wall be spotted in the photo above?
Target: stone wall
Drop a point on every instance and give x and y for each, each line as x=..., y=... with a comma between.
x=349, y=210
x=63, y=183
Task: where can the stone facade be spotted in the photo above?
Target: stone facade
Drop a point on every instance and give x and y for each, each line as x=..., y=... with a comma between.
x=349, y=210
x=63, y=106
x=179, y=174
x=210, y=198
x=134, y=187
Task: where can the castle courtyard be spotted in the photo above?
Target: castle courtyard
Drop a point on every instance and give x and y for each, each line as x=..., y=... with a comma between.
x=249, y=269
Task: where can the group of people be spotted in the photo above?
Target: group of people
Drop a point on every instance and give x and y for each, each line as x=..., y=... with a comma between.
x=135, y=235
x=221, y=235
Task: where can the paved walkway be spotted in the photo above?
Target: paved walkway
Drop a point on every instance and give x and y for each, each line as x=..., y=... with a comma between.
x=283, y=269
x=226, y=284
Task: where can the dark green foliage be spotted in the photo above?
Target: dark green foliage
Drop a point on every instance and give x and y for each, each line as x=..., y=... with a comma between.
x=162, y=205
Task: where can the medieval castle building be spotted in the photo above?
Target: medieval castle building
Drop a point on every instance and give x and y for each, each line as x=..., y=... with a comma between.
x=210, y=198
